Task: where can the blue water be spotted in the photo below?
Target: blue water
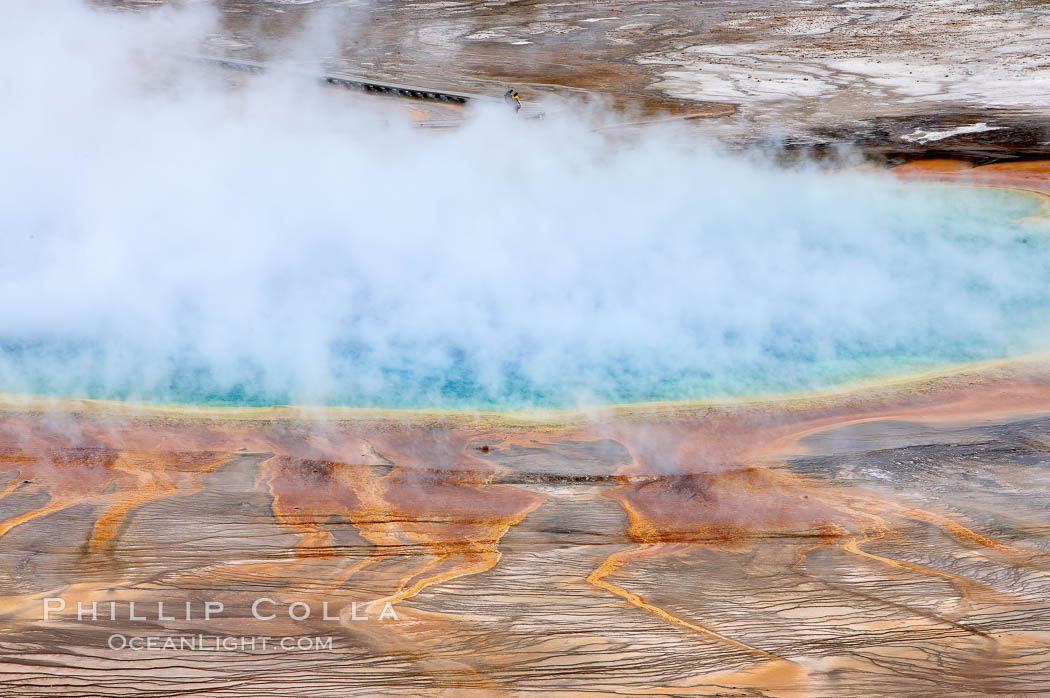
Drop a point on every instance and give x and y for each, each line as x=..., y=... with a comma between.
x=716, y=303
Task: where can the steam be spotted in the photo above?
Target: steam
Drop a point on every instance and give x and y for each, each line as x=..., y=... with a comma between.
x=166, y=237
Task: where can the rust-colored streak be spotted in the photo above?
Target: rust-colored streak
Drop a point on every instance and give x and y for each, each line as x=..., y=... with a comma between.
x=49, y=508
x=617, y=560
x=146, y=476
x=852, y=546
x=434, y=499
x=68, y=475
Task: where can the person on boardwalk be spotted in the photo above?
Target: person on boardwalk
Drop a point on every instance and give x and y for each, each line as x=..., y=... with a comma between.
x=511, y=98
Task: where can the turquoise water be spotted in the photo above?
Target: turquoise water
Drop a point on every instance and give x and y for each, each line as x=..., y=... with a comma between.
x=718, y=302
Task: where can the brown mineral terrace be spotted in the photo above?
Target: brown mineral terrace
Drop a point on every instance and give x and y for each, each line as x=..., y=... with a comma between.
x=880, y=540
x=906, y=76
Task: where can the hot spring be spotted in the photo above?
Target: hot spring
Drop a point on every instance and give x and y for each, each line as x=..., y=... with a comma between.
x=712, y=283
x=174, y=240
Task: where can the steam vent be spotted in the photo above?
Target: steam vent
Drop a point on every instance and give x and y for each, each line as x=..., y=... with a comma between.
x=524, y=348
